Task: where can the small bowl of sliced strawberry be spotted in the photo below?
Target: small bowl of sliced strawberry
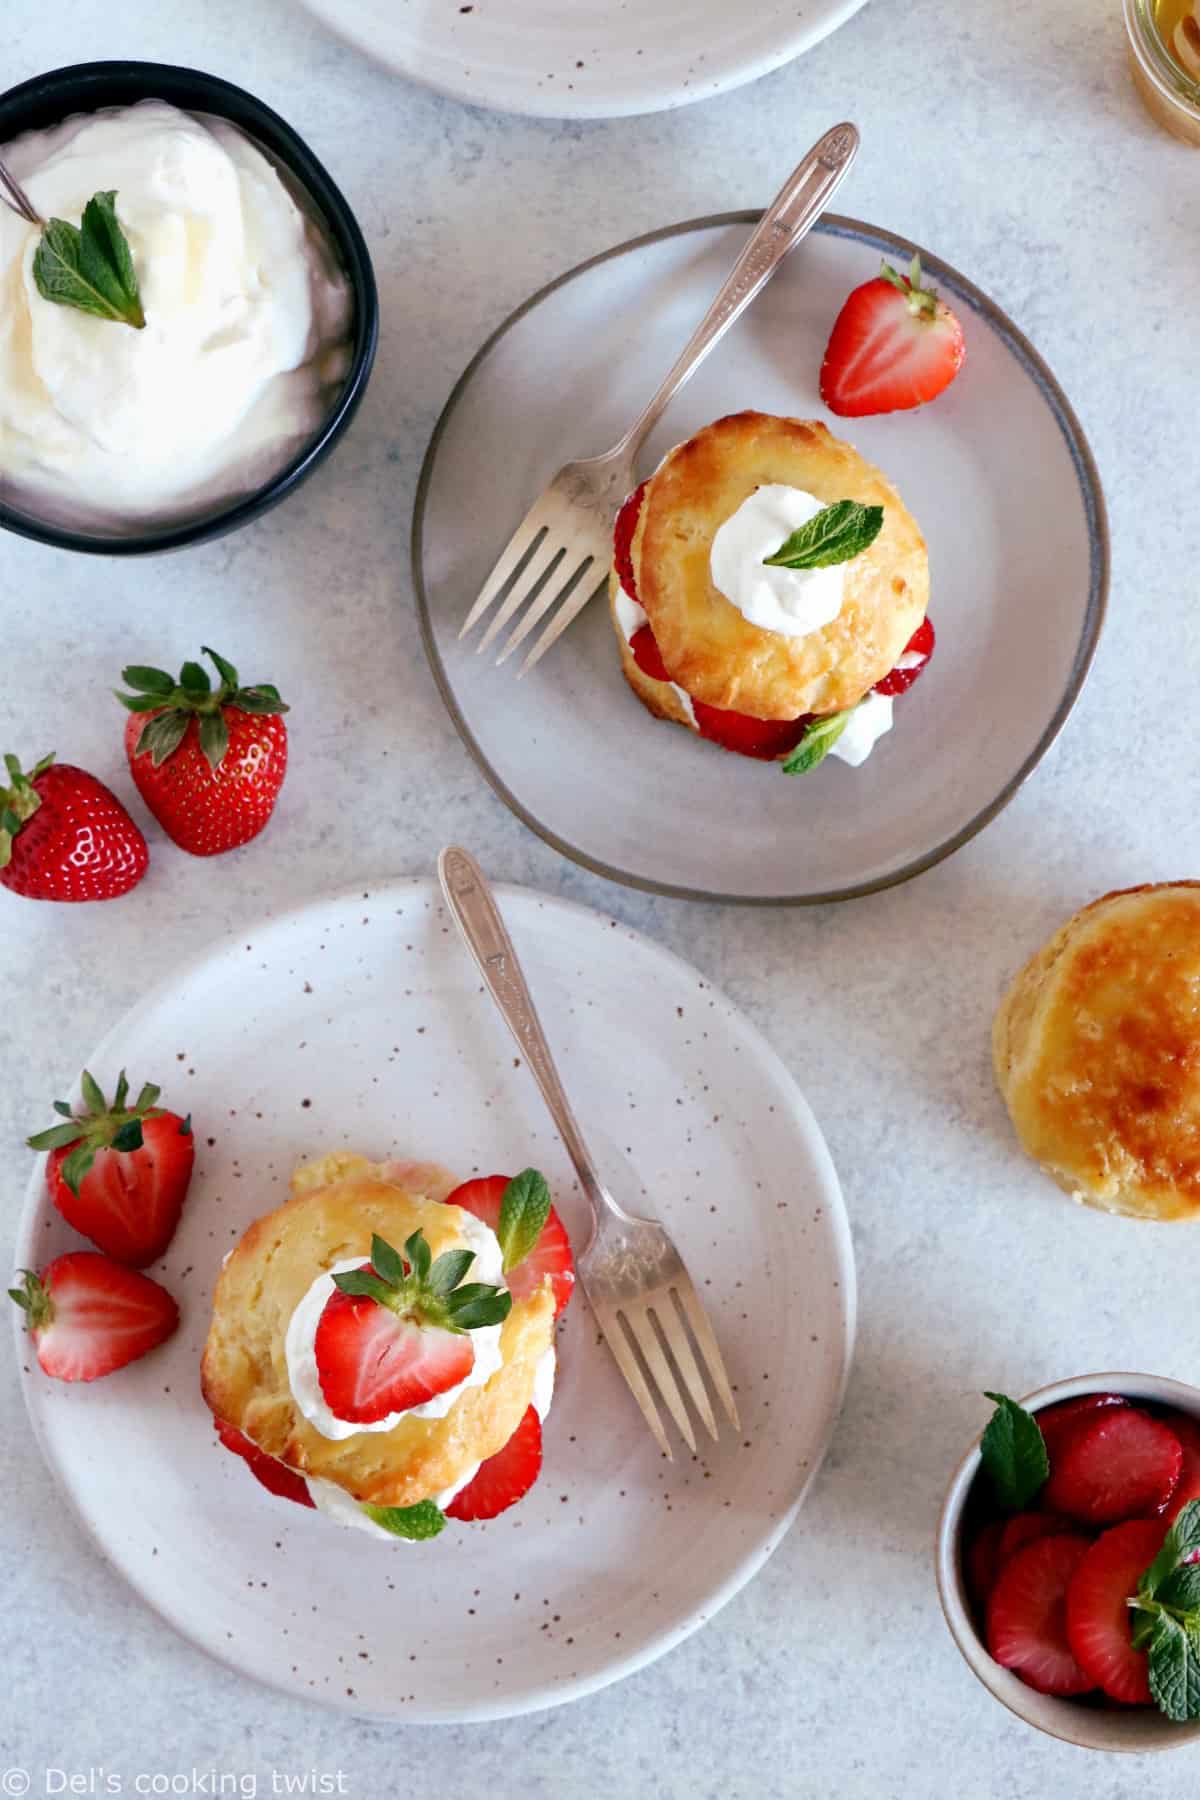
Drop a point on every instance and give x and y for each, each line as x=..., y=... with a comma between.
x=1068, y=1560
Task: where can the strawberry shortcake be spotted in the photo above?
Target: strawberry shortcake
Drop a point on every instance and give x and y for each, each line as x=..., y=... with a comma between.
x=769, y=590
x=382, y=1345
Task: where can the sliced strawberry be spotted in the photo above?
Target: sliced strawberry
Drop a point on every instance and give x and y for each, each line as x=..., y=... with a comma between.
x=1058, y=1422
x=1098, y=1611
x=551, y=1255
x=1187, y=1488
x=647, y=655
x=765, y=739
x=275, y=1476
x=983, y=1561
x=1122, y=1464
x=894, y=345
x=119, y=1174
x=371, y=1363
x=623, y=532
x=1024, y=1528
x=1027, y=1616
x=89, y=1315
x=504, y=1478
x=920, y=644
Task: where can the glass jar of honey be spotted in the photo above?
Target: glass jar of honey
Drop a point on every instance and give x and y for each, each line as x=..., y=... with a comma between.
x=1164, y=54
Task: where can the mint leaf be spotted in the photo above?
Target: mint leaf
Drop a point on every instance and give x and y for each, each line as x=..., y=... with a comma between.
x=1013, y=1452
x=524, y=1209
x=1174, y=1668
x=834, y=535
x=816, y=743
x=1179, y=1543
x=90, y=266
x=1181, y=1590
x=424, y=1520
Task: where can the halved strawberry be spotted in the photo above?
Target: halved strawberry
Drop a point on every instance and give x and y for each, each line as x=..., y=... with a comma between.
x=396, y=1332
x=504, y=1478
x=1027, y=1616
x=920, y=644
x=1098, y=1612
x=647, y=655
x=1122, y=1464
x=1024, y=1528
x=623, y=532
x=765, y=739
x=894, y=345
x=1058, y=1422
x=550, y=1254
x=119, y=1174
x=1187, y=1488
x=88, y=1315
x=275, y=1476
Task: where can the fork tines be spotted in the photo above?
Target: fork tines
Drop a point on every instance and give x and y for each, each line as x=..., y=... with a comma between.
x=651, y=1331
x=555, y=559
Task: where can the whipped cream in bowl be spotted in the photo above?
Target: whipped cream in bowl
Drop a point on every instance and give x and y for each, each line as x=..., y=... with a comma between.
x=258, y=300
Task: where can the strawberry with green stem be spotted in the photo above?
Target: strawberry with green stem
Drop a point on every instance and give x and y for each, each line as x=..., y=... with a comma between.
x=119, y=1174
x=894, y=345
x=396, y=1332
x=208, y=761
x=88, y=1315
x=64, y=836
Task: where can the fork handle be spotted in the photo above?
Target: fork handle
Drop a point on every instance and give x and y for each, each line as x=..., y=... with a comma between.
x=789, y=218
x=470, y=899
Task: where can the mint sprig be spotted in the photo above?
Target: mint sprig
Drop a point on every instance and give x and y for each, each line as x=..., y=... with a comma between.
x=833, y=535
x=524, y=1209
x=1013, y=1451
x=430, y=1293
x=90, y=266
x=816, y=743
x=1165, y=1619
x=424, y=1520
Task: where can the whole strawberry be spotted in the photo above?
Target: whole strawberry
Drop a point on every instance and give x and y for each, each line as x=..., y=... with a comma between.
x=209, y=762
x=63, y=836
x=119, y=1173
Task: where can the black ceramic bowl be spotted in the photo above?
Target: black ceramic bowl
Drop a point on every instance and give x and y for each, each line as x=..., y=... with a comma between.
x=87, y=87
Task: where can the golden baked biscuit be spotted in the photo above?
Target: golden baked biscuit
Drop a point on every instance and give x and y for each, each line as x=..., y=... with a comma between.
x=335, y=1207
x=706, y=644
x=1097, y=1053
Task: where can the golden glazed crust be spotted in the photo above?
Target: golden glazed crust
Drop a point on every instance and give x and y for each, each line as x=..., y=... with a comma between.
x=706, y=644
x=336, y=1204
x=1097, y=1053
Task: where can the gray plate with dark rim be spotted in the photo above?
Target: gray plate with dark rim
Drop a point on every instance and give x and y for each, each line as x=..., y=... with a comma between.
x=997, y=471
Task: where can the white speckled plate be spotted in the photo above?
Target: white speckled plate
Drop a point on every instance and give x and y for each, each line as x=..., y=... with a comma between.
x=583, y=59
x=997, y=472
x=359, y=1021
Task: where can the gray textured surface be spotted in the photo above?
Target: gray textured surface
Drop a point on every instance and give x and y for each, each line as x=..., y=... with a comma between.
x=1005, y=135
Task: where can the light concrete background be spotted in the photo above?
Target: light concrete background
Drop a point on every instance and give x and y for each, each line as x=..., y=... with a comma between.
x=1004, y=135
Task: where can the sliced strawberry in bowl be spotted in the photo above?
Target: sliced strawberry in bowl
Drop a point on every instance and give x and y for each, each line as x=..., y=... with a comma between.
x=893, y=346
x=1024, y=1528
x=1056, y=1423
x=1099, y=1614
x=504, y=1478
x=89, y=1315
x=982, y=1562
x=533, y=1239
x=119, y=1174
x=275, y=1476
x=1187, y=1430
x=1120, y=1464
x=1027, y=1616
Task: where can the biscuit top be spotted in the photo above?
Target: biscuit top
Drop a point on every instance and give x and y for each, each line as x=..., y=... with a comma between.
x=708, y=647
x=1098, y=1052
x=335, y=1207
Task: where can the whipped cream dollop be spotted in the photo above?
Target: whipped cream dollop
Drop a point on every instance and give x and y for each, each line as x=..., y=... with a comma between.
x=300, y=1338
x=344, y=1509
x=864, y=728
x=790, y=601
x=246, y=341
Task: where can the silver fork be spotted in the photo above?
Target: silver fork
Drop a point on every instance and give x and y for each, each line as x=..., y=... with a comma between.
x=564, y=542
x=639, y=1291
